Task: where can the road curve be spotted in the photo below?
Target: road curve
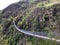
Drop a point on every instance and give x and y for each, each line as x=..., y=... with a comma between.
x=35, y=34
x=42, y=35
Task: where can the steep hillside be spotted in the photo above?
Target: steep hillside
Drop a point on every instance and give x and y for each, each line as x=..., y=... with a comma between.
x=35, y=16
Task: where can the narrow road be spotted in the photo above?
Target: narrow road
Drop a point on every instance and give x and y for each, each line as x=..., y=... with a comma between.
x=42, y=35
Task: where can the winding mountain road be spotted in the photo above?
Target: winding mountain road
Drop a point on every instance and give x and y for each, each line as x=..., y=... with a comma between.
x=42, y=35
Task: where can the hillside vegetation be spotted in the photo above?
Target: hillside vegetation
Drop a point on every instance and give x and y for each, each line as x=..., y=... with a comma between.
x=35, y=16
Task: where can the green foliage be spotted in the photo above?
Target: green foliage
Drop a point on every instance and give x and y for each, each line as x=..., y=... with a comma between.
x=13, y=37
